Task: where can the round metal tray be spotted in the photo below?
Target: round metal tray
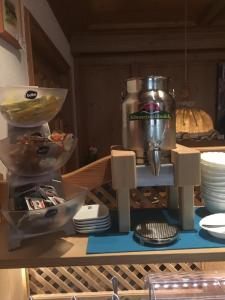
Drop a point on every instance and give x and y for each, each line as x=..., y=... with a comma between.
x=156, y=233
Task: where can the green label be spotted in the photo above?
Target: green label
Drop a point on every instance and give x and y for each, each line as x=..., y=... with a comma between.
x=145, y=115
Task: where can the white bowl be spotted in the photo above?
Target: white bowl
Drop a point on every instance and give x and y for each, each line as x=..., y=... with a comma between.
x=213, y=189
x=215, y=219
x=211, y=169
x=213, y=184
x=214, y=207
x=30, y=106
x=213, y=193
x=213, y=199
x=213, y=159
x=213, y=178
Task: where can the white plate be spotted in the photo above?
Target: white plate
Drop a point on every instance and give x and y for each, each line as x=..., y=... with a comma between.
x=213, y=176
x=217, y=187
x=213, y=191
x=213, y=195
x=91, y=212
x=215, y=219
x=93, y=222
x=214, y=199
x=214, y=207
x=214, y=184
x=207, y=167
x=87, y=227
x=213, y=179
x=213, y=159
x=206, y=170
x=94, y=230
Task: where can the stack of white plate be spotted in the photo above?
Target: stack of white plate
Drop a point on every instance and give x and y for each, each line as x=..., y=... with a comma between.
x=213, y=181
x=92, y=218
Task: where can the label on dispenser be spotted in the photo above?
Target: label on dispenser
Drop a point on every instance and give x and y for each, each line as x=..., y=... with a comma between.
x=150, y=111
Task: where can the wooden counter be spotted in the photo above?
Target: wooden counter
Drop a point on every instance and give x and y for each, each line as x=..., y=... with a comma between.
x=53, y=250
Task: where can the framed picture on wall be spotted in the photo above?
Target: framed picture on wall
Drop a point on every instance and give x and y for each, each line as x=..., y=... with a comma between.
x=220, y=103
x=10, y=21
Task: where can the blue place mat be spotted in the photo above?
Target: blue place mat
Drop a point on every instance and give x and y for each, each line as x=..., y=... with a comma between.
x=112, y=241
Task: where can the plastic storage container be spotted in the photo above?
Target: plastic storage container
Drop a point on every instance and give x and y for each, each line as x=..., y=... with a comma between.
x=41, y=221
x=30, y=106
x=193, y=285
x=35, y=159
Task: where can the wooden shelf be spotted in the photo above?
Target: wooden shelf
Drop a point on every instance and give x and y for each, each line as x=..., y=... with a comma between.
x=53, y=250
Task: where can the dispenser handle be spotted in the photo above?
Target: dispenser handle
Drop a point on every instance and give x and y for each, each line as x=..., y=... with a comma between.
x=153, y=154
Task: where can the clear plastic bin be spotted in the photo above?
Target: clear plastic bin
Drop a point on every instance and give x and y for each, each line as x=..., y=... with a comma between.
x=41, y=221
x=29, y=106
x=34, y=159
x=193, y=285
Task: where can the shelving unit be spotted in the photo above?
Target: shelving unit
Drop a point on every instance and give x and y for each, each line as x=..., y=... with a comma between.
x=55, y=250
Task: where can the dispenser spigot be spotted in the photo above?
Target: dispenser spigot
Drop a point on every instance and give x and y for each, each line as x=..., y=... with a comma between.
x=153, y=154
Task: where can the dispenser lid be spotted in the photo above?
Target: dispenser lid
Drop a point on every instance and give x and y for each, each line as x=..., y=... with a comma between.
x=157, y=83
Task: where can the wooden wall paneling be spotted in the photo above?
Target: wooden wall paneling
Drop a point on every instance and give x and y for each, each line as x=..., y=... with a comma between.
x=101, y=77
x=153, y=40
x=82, y=88
x=202, y=79
x=29, y=47
x=100, y=106
x=157, y=57
x=48, y=68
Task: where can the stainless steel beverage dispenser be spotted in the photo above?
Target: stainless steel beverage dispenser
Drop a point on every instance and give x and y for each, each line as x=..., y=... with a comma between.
x=149, y=126
x=149, y=139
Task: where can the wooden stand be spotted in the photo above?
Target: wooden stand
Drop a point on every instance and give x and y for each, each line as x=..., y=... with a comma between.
x=123, y=165
x=187, y=174
x=186, y=163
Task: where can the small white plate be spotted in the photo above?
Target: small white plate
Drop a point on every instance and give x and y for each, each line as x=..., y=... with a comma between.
x=94, y=230
x=91, y=212
x=84, y=227
x=207, y=170
x=92, y=223
x=215, y=219
x=213, y=193
x=213, y=159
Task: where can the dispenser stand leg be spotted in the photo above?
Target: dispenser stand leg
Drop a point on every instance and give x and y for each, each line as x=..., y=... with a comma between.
x=173, y=197
x=187, y=174
x=123, y=165
x=123, y=200
x=186, y=204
